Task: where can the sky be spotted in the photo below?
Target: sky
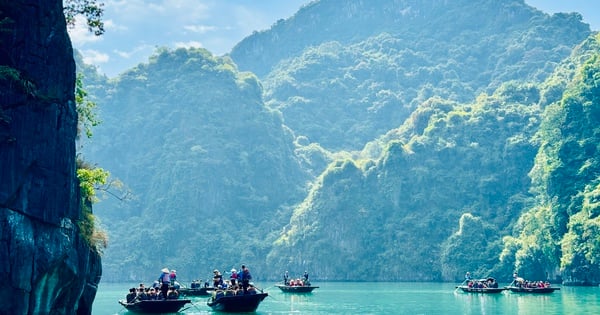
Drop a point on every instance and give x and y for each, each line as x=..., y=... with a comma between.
x=135, y=28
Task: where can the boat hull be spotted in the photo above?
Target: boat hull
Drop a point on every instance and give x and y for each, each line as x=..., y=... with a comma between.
x=532, y=290
x=237, y=303
x=296, y=289
x=467, y=289
x=155, y=306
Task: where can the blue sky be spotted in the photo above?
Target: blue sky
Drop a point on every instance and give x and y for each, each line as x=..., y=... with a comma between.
x=135, y=28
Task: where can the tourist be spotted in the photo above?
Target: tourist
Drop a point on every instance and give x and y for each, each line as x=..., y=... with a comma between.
x=130, y=298
x=165, y=281
x=152, y=295
x=173, y=276
x=233, y=277
x=245, y=278
x=217, y=279
x=172, y=294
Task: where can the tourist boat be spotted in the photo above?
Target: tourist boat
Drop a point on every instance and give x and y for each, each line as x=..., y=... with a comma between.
x=155, y=306
x=519, y=285
x=486, y=285
x=296, y=288
x=229, y=301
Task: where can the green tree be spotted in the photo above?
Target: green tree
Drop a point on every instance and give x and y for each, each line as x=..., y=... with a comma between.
x=91, y=10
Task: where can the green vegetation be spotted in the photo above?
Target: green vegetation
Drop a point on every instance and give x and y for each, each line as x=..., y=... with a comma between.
x=558, y=234
x=409, y=150
x=91, y=10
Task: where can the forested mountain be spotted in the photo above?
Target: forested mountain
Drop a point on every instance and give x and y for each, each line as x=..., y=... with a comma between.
x=379, y=59
x=562, y=228
x=208, y=164
x=396, y=139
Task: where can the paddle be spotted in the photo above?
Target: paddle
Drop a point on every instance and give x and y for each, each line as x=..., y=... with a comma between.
x=194, y=305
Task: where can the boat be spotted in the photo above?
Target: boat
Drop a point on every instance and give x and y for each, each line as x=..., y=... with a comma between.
x=485, y=285
x=296, y=288
x=236, y=301
x=155, y=306
x=520, y=285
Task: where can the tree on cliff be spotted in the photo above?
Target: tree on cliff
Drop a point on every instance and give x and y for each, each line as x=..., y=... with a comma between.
x=90, y=9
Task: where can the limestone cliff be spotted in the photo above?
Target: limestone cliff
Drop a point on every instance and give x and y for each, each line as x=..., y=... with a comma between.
x=47, y=267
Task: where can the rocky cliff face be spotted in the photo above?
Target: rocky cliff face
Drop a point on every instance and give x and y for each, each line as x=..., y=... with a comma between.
x=47, y=268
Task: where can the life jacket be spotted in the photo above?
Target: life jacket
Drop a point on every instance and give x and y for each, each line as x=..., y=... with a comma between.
x=166, y=278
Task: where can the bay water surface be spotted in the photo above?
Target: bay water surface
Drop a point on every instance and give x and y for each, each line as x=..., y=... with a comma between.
x=386, y=298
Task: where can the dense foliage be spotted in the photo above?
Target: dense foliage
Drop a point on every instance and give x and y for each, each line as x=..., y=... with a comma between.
x=397, y=210
x=210, y=167
x=437, y=140
x=366, y=65
x=559, y=235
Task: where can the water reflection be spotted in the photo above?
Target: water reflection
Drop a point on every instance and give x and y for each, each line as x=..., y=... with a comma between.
x=480, y=303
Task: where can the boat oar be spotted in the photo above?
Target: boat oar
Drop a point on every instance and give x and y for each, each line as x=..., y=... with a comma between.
x=194, y=305
x=462, y=283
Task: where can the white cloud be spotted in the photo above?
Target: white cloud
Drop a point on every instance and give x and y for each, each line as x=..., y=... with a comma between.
x=201, y=29
x=190, y=44
x=134, y=52
x=80, y=35
x=94, y=57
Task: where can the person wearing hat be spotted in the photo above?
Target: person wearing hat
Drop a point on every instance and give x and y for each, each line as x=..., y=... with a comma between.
x=165, y=280
x=233, y=277
x=217, y=279
x=173, y=277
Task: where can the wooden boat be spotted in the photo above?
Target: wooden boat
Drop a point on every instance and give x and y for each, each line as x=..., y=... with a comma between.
x=155, y=306
x=519, y=289
x=486, y=285
x=236, y=302
x=296, y=288
x=519, y=285
x=466, y=288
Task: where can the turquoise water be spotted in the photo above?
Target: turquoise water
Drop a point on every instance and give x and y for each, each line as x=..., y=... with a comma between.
x=388, y=298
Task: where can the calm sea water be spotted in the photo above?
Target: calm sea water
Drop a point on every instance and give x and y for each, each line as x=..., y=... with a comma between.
x=388, y=298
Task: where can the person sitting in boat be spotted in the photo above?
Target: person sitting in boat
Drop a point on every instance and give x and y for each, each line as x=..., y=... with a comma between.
x=152, y=294
x=130, y=298
x=172, y=294
x=217, y=278
x=141, y=296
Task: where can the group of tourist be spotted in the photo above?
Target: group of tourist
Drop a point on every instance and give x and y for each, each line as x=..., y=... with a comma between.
x=165, y=287
x=296, y=282
x=532, y=284
x=237, y=280
x=484, y=283
x=143, y=293
x=517, y=281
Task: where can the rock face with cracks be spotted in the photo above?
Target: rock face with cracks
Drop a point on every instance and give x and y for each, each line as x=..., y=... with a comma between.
x=47, y=266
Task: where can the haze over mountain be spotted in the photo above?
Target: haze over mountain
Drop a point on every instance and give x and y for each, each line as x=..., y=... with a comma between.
x=134, y=28
x=354, y=134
